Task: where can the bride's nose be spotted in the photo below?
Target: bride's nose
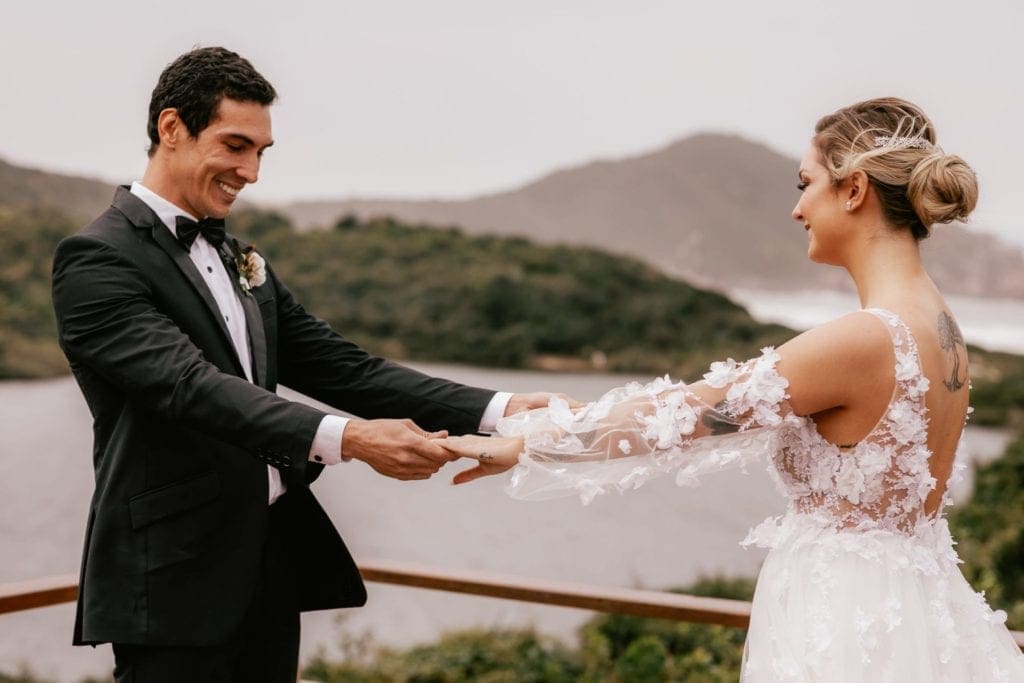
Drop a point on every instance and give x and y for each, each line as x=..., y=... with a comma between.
x=797, y=214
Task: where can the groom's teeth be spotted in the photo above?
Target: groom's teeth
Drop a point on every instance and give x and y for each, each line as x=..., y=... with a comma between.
x=230, y=190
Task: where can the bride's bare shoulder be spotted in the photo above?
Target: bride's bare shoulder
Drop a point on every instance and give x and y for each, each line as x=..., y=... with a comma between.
x=857, y=336
x=836, y=363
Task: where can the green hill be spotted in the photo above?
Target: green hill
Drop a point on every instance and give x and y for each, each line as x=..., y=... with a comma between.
x=421, y=293
x=433, y=294
x=28, y=336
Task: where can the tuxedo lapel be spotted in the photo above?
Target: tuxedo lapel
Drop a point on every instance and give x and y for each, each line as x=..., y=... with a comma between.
x=253, y=319
x=181, y=259
x=143, y=217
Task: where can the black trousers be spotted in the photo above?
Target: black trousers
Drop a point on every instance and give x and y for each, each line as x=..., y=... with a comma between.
x=265, y=649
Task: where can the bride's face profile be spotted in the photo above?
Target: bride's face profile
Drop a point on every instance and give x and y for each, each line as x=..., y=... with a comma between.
x=819, y=209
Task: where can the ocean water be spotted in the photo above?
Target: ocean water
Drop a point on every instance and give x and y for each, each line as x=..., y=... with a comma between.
x=994, y=324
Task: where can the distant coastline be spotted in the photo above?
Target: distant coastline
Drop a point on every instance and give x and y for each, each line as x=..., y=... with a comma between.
x=995, y=324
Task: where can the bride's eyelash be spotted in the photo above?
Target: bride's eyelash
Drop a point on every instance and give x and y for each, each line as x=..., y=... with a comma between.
x=802, y=185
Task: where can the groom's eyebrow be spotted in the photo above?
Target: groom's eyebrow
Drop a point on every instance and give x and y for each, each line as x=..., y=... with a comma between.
x=248, y=140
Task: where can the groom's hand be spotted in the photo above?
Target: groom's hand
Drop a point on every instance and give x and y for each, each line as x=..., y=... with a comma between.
x=395, y=448
x=520, y=403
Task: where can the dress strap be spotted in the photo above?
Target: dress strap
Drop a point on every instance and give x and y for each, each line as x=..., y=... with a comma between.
x=910, y=379
x=898, y=330
x=886, y=316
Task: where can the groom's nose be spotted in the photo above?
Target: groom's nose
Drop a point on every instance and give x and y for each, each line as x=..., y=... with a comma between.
x=249, y=169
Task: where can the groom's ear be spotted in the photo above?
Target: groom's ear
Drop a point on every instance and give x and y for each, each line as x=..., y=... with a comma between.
x=170, y=128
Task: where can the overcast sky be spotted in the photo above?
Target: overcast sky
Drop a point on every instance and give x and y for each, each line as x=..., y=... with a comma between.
x=458, y=97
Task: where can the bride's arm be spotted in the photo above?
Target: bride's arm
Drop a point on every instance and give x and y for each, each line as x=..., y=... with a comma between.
x=635, y=431
x=498, y=454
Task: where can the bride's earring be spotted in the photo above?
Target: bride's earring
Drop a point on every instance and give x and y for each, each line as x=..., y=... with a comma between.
x=849, y=206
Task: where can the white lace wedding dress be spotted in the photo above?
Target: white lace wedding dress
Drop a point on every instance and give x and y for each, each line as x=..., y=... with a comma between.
x=860, y=584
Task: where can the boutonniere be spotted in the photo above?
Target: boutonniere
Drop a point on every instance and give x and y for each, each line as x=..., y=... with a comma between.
x=252, y=269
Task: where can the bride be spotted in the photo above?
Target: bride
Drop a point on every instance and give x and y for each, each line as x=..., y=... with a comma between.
x=860, y=420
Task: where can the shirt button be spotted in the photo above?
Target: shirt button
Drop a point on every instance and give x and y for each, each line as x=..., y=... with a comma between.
x=209, y=269
x=318, y=458
x=226, y=319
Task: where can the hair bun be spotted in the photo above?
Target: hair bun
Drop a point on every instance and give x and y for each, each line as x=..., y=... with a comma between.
x=942, y=188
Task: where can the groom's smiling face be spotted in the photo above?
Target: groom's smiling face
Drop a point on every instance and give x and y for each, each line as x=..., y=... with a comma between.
x=211, y=169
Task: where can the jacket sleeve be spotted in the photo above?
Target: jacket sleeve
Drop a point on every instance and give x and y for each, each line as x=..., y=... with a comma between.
x=108, y=321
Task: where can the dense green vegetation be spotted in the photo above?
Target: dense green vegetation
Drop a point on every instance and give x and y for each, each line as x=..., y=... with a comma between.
x=612, y=648
x=997, y=388
x=28, y=333
x=990, y=533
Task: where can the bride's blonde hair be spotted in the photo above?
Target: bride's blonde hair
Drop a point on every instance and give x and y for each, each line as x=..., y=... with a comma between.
x=893, y=142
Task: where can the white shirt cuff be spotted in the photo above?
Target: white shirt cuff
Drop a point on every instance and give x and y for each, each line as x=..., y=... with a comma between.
x=494, y=412
x=326, y=448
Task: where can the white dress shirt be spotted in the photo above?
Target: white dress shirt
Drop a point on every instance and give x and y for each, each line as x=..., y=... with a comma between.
x=327, y=443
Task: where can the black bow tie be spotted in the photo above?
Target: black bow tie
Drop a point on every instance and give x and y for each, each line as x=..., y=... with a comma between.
x=211, y=228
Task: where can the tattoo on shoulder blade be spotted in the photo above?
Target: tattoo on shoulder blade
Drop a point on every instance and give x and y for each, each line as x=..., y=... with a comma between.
x=949, y=339
x=717, y=421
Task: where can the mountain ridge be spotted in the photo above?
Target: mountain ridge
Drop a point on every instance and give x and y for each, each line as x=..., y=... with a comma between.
x=80, y=197
x=697, y=208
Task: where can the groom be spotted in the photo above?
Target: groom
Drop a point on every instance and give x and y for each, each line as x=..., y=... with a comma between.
x=203, y=540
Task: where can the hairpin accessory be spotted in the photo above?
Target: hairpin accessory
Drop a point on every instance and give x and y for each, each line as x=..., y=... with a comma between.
x=902, y=142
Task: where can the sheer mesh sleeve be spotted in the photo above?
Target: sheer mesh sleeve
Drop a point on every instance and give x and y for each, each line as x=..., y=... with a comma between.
x=640, y=431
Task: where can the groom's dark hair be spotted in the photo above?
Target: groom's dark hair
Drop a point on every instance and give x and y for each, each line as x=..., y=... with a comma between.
x=197, y=81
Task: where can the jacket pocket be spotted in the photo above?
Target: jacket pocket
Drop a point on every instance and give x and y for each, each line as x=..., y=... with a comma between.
x=179, y=521
x=171, y=499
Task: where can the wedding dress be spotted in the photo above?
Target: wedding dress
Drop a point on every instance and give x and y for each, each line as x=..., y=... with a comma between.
x=859, y=584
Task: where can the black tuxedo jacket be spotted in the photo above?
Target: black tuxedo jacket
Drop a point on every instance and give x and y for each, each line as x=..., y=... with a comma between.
x=181, y=439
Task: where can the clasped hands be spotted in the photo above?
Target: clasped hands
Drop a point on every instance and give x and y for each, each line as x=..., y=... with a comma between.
x=402, y=450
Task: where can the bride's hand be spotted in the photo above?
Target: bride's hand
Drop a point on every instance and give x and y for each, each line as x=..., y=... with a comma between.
x=494, y=454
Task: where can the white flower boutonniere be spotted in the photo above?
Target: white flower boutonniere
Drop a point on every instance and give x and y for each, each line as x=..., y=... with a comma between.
x=252, y=269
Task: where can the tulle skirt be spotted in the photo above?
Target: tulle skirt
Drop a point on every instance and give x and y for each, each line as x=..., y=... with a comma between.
x=853, y=606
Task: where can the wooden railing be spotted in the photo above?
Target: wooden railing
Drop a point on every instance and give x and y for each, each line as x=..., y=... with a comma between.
x=54, y=590
x=51, y=590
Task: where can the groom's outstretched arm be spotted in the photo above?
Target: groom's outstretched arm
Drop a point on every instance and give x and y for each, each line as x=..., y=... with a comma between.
x=319, y=362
